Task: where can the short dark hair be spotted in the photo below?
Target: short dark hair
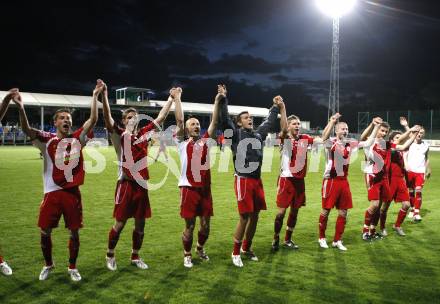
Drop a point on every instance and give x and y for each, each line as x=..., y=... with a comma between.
x=238, y=117
x=126, y=111
x=340, y=123
x=394, y=133
x=385, y=125
x=62, y=110
x=292, y=117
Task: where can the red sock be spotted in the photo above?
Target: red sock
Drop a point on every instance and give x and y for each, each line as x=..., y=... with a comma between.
x=383, y=219
x=278, y=224
x=1, y=259
x=322, y=225
x=187, y=244
x=237, y=246
x=400, y=217
x=73, y=251
x=367, y=222
x=288, y=235
x=411, y=198
x=46, y=247
x=340, y=226
x=202, y=238
x=246, y=245
x=113, y=237
x=138, y=238
x=418, y=201
x=291, y=223
x=375, y=217
x=291, y=220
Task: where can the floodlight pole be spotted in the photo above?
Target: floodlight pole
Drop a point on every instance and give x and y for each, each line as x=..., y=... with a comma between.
x=333, y=99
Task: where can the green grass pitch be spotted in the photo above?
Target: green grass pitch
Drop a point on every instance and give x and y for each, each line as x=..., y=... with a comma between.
x=394, y=270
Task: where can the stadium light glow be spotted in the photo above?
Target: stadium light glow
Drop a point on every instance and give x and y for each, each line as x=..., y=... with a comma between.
x=335, y=8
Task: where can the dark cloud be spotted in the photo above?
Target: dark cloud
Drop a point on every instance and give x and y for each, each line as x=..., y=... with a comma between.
x=246, y=64
x=279, y=77
x=250, y=44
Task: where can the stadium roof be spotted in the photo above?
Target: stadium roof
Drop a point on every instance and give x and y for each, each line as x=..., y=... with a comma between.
x=75, y=101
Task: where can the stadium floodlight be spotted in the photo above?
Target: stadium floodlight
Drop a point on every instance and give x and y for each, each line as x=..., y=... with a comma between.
x=335, y=9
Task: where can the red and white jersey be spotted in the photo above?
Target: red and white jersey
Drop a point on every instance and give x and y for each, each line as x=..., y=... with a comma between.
x=337, y=155
x=294, y=156
x=63, y=159
x=194, y=162
x=132, y=151
x=416, y=157
x=397, y=164
x=378, y=158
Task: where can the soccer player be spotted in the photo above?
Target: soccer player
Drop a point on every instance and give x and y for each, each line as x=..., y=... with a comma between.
x=247, y=149
x=291, y=187
x=195, y=179
x=131, y=195
x=63, y=174
x=335, y=187
x=398, y=187
x=4, y=267
x=418, y=168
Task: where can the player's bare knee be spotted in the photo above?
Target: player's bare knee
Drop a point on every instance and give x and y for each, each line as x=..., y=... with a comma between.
x=342, y=212
x=374, y=205
x=280, y=216
x=46, y=232
x=118, y=226
x=204, y=229
x=281, y=212
x=325, y=212
x=384, y=207
x=244, y=218
x=190, y=225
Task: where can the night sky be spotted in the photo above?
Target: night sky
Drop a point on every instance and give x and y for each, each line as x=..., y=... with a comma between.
x=390, y=51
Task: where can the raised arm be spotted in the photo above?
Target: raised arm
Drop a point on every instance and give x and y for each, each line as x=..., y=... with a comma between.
x=406, y=136
x=370, y=140
x=108, y=119
x=269, y=123
x=27, y=129
x=178, y=113
x=414, y=131
x=367, y=131
x=283, y=120
x=5, y=103
x=221, y=93
x=328, y=129
x=225, y=121
x=91, y=122
x=404, y=123
x=167, y=106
